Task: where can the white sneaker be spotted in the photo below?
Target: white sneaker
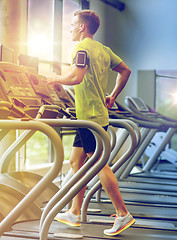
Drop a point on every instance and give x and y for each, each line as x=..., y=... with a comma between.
x=69, y=218
x=120, y=224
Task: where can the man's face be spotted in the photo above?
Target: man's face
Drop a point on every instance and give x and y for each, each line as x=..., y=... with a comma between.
x=75, y=29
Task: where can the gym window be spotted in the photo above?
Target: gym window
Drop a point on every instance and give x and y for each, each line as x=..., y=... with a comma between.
x=49, y=40
x=49, y=32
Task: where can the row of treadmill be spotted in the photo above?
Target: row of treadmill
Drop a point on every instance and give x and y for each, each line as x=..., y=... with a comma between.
x=137, y=148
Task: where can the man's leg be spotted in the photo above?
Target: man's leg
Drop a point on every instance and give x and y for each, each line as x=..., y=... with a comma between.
x=110, y=185
x=77, y=159
x=123, y=217
x=72, y=216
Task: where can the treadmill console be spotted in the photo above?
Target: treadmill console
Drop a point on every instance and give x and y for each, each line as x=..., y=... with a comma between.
x=15, y=86
x=44, y=91
x=137, y=103
x=26, y=89
x=63, y=95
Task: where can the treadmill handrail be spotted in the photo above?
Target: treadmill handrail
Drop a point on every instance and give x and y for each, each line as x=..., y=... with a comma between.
x=113, y=122
x=49, y=177
x=13, y=148
x=138, y=119
x=159, y=118
x=112, y=136
x=135, y=128
x=23, y=138
x=79, y=180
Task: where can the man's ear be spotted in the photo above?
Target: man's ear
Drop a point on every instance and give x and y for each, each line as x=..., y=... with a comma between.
x=82, y=27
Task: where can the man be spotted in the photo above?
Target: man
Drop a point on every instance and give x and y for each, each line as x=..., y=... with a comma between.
x=91, y=62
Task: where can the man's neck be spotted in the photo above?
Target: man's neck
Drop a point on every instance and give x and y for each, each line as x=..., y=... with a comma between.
x=85, y=35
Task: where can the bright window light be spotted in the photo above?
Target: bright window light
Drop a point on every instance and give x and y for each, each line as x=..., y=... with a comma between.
x=174, y=97
x=40, y=29
x=69, y=7
x=40, y=45
x=166, y=96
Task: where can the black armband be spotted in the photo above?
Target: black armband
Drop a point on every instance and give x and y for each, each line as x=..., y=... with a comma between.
x=81, y=59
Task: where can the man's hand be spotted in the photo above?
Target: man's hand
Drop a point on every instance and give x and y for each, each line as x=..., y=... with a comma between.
x=53, y=78
x=109, y=101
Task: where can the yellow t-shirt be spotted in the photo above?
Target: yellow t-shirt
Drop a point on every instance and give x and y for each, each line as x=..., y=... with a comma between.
x=90, y=93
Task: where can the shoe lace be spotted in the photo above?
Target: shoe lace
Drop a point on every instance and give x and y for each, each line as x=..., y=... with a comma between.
x=114, y=215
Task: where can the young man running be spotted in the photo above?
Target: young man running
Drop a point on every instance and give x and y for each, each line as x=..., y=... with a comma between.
x=91, y=63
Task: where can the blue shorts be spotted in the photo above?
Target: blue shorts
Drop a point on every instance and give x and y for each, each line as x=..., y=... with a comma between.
x=85, y=138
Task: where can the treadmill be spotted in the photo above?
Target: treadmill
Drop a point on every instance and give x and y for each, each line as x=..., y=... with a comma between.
x=29, y=229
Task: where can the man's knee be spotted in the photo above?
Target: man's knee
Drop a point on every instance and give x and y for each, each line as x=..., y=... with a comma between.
x=77, y=158
x=72, y=162
x=75, y=164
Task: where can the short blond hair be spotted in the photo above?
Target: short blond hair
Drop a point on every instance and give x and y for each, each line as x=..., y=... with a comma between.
x=90, y=19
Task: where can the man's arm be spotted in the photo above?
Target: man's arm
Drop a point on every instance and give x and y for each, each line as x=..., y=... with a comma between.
x=74, y=77
x=122, y=78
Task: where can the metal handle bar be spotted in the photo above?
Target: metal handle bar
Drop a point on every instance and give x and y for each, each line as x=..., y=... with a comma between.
x=90, y=173
x=112, y=136
x=72, y=180
x=22, y=139
x=49, y=177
